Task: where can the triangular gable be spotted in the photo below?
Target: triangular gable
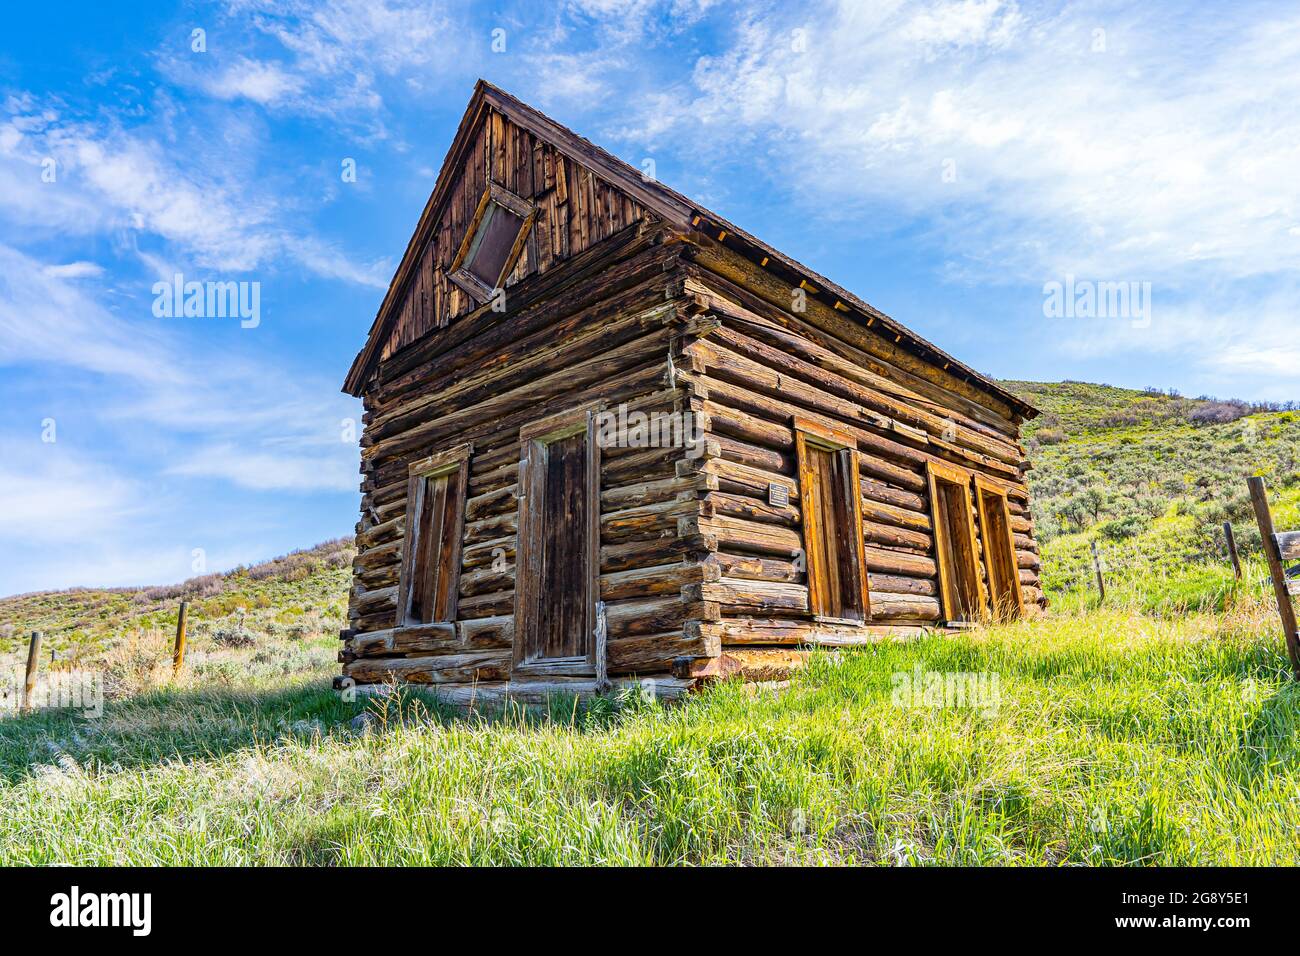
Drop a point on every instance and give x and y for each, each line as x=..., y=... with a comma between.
x=503, y=145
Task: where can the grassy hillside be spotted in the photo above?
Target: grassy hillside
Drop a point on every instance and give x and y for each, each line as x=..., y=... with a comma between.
x=1152, y=477
x=280, y=616
x=1162, y=728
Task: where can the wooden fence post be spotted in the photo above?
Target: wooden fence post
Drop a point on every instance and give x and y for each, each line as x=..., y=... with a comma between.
x=1277, y=570
x=33, y=661
x=178, y=652
x=1230, y=536
x=1101, y=581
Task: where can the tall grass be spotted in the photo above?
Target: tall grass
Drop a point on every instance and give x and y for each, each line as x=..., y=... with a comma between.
x=1116, y=738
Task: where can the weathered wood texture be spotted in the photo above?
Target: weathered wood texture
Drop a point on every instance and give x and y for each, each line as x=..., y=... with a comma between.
x=767, y=368
x=576, y=209
x=693, y=544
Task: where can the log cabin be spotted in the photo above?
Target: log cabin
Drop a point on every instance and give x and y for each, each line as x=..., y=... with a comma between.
x=612, y=438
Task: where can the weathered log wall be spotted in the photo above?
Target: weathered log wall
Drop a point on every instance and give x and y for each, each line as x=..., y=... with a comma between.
x=694, y=558
x=601, y=332
x=747, y=379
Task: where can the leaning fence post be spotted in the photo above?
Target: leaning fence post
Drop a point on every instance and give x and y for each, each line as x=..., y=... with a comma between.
x=33, y=661
x=1231, y=538
x=1101, y=581
x=178, y=652
x=1277, y=571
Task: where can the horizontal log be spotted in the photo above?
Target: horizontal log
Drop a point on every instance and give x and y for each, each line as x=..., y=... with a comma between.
x=487, y=605
x=767, y=596
x=445, y=668
x=647, y=582
x=751, y=509
x=901, y=584
x=792, y=631
x=654, y=615
x=755, y=568
x=737, y=534
x=653, y=653
x=641, y=554
x=896, y=537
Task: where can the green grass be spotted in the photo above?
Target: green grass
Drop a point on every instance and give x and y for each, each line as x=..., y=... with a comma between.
x=1116, y=738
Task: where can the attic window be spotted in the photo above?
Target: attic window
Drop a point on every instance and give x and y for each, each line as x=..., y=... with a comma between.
x=493, y=242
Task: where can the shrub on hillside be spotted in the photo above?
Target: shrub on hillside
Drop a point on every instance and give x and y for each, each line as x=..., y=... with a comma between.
x=1218, y=413
x=234, y=636
x=1121, y=528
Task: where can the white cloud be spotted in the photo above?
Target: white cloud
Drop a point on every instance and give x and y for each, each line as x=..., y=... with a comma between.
x=1133, y=162
x=265, y=83
x=65, y=496
x=1025, y=144
x=73, y=270
x=199, y=190
x=282, y=470
x=261, y=420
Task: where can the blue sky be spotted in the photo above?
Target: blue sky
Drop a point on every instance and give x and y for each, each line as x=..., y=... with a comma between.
x=945, y=160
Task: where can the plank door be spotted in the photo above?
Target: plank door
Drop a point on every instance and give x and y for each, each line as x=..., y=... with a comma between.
x=558, y=546
x=831, y=509
x=955, y=543
x=999, y=544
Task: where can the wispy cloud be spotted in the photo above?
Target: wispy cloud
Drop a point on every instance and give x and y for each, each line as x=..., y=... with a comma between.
x=1059, y=138
x=212, y=205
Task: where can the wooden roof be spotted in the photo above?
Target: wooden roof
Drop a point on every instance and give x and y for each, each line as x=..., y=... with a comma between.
x=670, y=206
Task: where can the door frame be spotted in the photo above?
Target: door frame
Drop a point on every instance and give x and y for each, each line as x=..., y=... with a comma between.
x=534, y=439
x=983, y=486
x=951, y=474
x=813, y=434
x=436, y=465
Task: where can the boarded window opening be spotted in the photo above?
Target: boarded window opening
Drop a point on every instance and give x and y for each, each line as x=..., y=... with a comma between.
x=831, y=505
x=490, y=249
x=435, y=515
x=998, y=542
x=559, y=545
x=493, y=242
x=955, y=543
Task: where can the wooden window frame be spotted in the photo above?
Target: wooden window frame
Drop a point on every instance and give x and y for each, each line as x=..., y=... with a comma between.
x=956, y=475
x=983, y=487
x=533, y=439
x=418, y=474
x=525, y=210
x=809, y=433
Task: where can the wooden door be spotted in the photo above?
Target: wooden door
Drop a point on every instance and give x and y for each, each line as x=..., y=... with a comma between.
x=558, y=546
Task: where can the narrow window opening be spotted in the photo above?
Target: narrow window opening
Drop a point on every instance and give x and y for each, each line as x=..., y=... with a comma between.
x=998, y=541
x=435, y=510
x=955, y=543
x=831, y=505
